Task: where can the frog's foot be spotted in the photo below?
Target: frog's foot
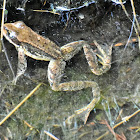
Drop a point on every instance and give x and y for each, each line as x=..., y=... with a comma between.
x=92, y=58
x=85, y=111
x=105, y=57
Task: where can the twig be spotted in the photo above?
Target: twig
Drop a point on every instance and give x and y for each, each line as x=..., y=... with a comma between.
x=51, y=135
x=26, y=98
x=124, y=120
x=2, y=21
x=117, y=136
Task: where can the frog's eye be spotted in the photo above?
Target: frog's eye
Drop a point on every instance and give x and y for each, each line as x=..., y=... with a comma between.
x=7, y=31
x=10, y=33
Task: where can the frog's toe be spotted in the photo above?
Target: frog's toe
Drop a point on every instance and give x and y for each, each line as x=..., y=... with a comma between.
x=84, y=112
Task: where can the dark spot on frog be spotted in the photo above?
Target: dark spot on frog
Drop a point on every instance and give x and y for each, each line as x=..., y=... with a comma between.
x=15, y=40
x=43, y=45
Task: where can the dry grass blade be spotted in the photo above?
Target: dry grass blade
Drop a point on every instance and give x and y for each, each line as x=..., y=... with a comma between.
x=31, y=127
x=9, y=63
x=2, y=44
x=132, y=40
x=117, y=136
x=123, y=7
x=124, y=120
x=2, y=21
x=51, y=135
x=137, y=23
x=137, y=130
x=26, y=98
x=127, y=118
x=136, y=26
x=134, y=14
x=46, y=11
x=109, y=127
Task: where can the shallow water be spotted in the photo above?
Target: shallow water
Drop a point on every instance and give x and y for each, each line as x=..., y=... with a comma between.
x=48, y=110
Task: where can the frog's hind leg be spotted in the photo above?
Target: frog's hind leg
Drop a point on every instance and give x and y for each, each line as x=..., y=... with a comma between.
x=22, y=65
x=70, y=49
x=55, y=71
x=93, y=61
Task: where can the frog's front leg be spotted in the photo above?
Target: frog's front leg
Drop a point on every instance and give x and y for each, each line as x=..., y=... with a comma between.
x=104, y=58
x=22, y=65
x=55, y=72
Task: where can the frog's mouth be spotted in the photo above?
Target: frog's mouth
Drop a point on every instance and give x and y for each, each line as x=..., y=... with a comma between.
x=11, y=36
x=5, y=31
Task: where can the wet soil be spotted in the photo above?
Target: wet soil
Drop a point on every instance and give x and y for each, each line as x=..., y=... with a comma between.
x=47, y=110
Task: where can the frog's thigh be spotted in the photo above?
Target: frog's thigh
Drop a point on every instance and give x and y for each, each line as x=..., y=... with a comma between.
x=55, y=71
x=22, y=64
x=70, y=49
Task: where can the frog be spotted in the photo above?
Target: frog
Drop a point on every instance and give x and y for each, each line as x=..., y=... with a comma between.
x=31, y=44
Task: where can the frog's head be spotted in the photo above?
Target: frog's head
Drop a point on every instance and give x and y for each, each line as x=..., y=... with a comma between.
x=12, y=31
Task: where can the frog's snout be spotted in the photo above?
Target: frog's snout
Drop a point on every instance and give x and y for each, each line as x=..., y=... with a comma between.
x=5, y=30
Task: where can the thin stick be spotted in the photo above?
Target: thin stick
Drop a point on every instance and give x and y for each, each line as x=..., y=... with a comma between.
x=2, y=21
x=28, y=96
x=137, y=23
x=51, y=135
x=46, y=11
x=9, y=63
x=123, y=7
x=126, y=119
x=134, y=14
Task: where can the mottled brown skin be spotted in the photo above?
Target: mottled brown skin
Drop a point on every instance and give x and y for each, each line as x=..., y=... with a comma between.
x=29, y=43
x=25, y=34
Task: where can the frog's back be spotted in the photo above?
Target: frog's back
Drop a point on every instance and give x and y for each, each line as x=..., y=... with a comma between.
x=19, y=32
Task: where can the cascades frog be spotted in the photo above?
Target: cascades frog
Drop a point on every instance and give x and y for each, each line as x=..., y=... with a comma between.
x=29, y=43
